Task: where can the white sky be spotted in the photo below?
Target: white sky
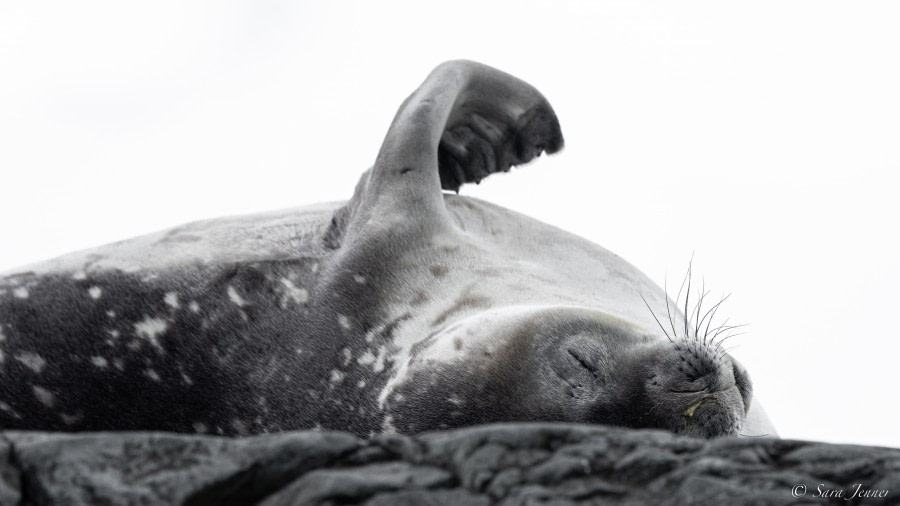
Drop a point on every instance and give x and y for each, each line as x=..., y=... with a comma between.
x=761, y=137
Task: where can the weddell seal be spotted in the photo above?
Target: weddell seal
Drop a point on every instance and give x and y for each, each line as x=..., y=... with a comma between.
x=405, y=309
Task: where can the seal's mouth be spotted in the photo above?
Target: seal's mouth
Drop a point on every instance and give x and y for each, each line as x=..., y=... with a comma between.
x=705, y=413
x=689, y=412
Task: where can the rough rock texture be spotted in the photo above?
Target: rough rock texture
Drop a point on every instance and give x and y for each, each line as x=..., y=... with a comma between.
x=500, y=464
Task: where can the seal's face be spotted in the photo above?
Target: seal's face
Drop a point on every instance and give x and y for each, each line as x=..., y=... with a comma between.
x=575, y=365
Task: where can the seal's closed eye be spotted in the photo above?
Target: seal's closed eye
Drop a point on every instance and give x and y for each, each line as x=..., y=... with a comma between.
x=577, y=355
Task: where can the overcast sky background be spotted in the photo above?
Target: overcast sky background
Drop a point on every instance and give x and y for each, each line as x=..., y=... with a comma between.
x=761, y=138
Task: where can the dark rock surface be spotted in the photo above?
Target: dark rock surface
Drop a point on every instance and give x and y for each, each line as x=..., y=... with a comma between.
x=500, y=464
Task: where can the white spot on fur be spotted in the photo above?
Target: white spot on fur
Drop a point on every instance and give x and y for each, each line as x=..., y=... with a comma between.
x=2, y=335
x=80, y=275
x=366, y=358
x=455, y=400
x=118, y=364
x=21, y=292
x=299, y=351
x=200, y=427
x=379, y=360
x=236, y=297
x=359, y=279
x=111, y=314
x=361, y=384
x=347, y=356
x=343, y=321
x=7, y=408
x=100, y=362
x=298, y=294
x=95, y=292
x=171, y=300
x=113, y=333
x=45, y=396
x=187, y=379
x=2, y=357
x=387, y=426
x=194, y=307
x=153, y=375
x=150, y=329
x=240, y=427
x=336, y=377
x=32, y=361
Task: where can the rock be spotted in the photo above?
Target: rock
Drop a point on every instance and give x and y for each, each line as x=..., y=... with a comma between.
x=159, y=468
x=506, y=464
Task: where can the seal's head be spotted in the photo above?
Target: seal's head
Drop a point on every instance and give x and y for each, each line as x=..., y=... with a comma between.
x=621, y=375
x=570, y=364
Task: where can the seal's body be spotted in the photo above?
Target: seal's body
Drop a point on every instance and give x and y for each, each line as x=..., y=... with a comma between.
x=403, y=309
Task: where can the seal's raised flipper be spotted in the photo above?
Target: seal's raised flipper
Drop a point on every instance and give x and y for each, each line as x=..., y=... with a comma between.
x=497, y=121
x=465, y=122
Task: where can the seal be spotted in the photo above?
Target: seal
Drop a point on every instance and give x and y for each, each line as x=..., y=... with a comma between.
x=404, y=309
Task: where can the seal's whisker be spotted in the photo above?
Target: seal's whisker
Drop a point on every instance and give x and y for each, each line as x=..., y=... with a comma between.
x=727, y=329
x=716, y=331
x=723, y=329
x=724, y=352
x=655, y=318
x=687, y=297
x=684, y=281
x=691, y=323
x=730, y=336
x=697, y=309
x=669, y=311
x=711, y=313
x=727, y=351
